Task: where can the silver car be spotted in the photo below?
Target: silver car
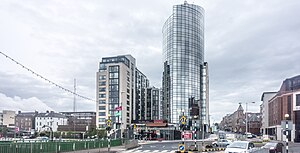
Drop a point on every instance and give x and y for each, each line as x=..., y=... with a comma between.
x=221, y=143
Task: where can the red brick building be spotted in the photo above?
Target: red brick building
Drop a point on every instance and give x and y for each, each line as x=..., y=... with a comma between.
x=286, y=101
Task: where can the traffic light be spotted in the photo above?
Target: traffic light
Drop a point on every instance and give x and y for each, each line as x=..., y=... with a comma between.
x=108, y=128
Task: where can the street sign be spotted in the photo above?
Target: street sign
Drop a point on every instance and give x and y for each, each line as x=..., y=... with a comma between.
x=118, y=114
x=186, y=136
x=181, y=147
x=182, y=119
x=119, y=108
x=290, y=125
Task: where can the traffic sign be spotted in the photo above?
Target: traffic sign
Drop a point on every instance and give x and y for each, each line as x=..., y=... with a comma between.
x=108, y=122
x=181, y=147
x=186, y=136
x=182, y=119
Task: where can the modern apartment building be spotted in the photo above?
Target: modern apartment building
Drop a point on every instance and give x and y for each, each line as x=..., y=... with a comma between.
x=139, y=105
x=266, y=96
x=185, y=73
x=153, y=104
x=121, y=91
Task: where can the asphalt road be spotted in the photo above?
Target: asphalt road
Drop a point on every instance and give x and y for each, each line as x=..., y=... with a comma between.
x=162, y=147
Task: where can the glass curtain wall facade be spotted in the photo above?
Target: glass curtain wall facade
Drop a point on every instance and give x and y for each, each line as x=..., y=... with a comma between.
x=183, y=52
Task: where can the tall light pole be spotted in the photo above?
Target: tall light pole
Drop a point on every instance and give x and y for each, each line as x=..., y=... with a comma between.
x=247, y=116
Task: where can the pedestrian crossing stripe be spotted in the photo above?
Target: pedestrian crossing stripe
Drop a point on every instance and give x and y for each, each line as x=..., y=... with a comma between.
x=161, y=151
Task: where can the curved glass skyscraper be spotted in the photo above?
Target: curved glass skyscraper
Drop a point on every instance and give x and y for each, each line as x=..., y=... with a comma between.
x=183, y=52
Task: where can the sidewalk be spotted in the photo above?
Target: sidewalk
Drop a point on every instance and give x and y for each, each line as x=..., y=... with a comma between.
x=101, y=150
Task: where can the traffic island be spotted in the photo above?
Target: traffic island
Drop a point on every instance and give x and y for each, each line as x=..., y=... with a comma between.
x=213, y=149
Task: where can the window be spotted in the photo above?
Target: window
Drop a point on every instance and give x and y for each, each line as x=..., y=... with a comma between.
x=114, y=69
x=102, y=107
x=102, y=77
x=102, y=125
x=101, y=119
x=102, y=83
x=113, y=75
x=102, y=96
x=102, y=102
x=101, y=113
x=298, y=100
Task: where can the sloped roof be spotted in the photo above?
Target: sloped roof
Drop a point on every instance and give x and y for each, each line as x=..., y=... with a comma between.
x=26, y=114
x=240, y=108
x=254, y=117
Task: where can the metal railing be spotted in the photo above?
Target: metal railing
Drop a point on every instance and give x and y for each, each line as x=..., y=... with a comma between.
x=54, y=146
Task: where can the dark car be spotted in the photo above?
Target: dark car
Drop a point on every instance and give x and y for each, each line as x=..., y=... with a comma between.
x=274, y=147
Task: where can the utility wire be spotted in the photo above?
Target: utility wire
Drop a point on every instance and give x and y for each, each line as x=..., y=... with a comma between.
x=47, y=80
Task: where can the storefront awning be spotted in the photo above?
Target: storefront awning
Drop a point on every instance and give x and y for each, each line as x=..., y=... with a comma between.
x=156, y=125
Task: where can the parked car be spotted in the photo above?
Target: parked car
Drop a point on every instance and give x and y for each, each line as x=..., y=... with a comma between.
x=221, y=143
x=240, y=147
x=274, y=147
x=213, y=137
x=250, y=135
x=43, y=138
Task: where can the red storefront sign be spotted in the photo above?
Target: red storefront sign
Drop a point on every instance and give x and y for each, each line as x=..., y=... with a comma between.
x=186, y=136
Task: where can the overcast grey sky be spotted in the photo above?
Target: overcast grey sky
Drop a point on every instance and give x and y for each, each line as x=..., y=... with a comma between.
x=251, y=47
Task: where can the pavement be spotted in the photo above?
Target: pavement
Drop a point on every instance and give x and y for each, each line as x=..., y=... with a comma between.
x=161, y=147
x=117, y=149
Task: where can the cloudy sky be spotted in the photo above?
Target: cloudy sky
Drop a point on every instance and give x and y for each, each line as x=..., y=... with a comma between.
x=251, y=47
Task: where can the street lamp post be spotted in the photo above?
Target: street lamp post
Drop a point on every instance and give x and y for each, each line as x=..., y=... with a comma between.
x=247, y=116
x=287, y=131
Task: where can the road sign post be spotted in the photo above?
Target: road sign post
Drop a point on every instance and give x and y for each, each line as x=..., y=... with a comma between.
x=182, y=125
x=108, y=128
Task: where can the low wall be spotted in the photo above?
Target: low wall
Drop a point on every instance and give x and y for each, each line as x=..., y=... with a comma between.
x=129, y=144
